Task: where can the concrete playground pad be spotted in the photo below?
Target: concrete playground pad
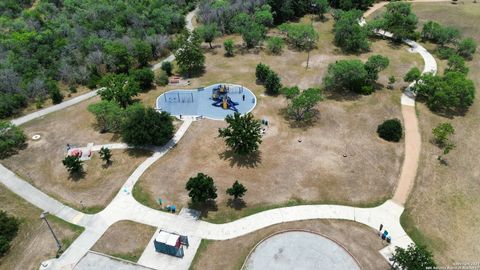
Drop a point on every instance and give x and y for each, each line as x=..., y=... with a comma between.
x=202, y=102
x=300, y=250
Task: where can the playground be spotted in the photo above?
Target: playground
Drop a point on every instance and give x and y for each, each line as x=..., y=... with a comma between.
x=214, y=102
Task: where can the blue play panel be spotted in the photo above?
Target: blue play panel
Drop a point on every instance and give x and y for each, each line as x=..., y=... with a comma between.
x=214, y=102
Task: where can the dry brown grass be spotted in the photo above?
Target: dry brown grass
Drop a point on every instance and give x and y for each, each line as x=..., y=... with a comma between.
x=212, y=254
x=41, y=162
x=34, y=242
x=313, y=170
x=443, y=210
x=125, y=239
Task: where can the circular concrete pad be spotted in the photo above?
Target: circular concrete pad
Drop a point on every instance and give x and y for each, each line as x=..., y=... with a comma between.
x=300, y=250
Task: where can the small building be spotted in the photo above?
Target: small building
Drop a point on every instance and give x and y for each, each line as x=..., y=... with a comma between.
x=170, y=243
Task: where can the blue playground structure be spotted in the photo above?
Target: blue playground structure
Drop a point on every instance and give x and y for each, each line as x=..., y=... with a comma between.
x=213, y=102
x=221, y=98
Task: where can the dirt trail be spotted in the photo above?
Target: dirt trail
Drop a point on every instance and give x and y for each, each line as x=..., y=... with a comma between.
x=412, y=153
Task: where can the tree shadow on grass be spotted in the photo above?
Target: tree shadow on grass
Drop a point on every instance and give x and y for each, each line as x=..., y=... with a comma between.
x=204, y=208
x=77, y=176
x=138, y=152
x=341, y=95
x=243, y=161
x=302, y=124
x=237, y=204
x=13, y=151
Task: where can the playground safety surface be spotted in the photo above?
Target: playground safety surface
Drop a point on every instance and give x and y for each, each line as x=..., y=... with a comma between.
x=198, y=102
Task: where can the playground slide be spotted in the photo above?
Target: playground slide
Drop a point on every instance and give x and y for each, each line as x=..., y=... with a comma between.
x=217, y=103
x=232, y=105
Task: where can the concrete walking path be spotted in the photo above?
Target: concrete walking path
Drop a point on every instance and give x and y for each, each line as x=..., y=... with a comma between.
x=54, y=108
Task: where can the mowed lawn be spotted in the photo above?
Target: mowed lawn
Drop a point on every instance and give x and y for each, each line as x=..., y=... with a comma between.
x=212, y=254
x=41, y=162
x=313, y=170
x=34, y=242
x=443, y=210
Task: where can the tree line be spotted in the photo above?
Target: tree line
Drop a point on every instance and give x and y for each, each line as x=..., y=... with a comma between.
x=77, y=42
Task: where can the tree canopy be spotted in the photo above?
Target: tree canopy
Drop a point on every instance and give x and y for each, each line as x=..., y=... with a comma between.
x=349, y=35
x=302, y=103
x=109, y=115
x=414, y=257
x=399, y=20
x=12, y=138
x=120, y=88
x=452, y=93
x=346, y=75
x=300, y=36
x=201, y=188
x=243, y=134
x=189, y=55
x=79, y=41
x=145, y=126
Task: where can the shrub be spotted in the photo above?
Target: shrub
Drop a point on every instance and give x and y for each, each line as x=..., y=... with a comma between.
x=390, y=130
x=445, y=52
x=144, y=77
x=8, y=230
x=228, y=44
x=467, y=47
x=442, y=132
x=161, y=78
x=261, y=72
x=72, y=89
x=167, y=66
x=237, y=190
x=11, y=104
x=11, y=139
x=56, y=96
x=367, y=90
x=456, y=64
x=275, y=45
x=272, y=83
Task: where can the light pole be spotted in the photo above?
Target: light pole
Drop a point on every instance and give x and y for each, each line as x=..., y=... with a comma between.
x=43, y=216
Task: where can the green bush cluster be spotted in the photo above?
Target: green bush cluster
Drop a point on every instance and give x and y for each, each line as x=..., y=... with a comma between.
x=390, y=130
x=8, y=230
x=269, y=78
